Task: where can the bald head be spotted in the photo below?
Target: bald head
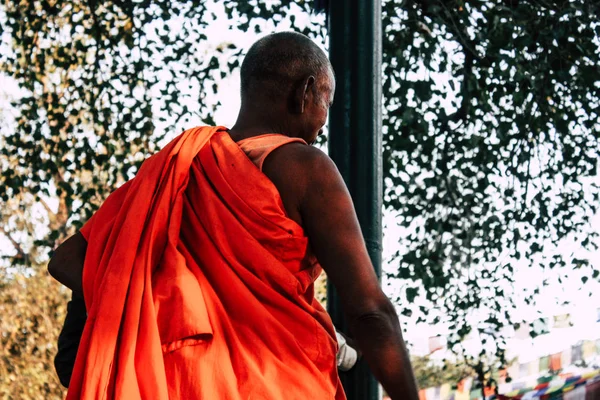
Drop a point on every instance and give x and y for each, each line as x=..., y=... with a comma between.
x=287, y=88
x=277, y=61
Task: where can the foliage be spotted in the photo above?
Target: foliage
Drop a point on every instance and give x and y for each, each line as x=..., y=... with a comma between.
x=85, y=120
x=31, y=308
x=490, y=127
x=490, y=168
x=431, y=374
x=321, y=289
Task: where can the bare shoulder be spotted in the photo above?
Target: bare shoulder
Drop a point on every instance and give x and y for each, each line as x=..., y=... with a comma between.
x=300, y=152
x=304, y=163
x=299, y=167
x=297, y=170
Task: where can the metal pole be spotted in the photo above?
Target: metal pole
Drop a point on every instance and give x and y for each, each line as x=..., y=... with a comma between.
x=355, y=142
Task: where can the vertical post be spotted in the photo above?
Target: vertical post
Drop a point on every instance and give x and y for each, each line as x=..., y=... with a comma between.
x=355, y=142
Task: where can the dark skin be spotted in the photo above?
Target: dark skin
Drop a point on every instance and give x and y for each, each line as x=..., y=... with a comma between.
x=315, y=196
x=66, y=265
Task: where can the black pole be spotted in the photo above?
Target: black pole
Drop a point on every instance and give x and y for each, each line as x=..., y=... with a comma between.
x=355, y=142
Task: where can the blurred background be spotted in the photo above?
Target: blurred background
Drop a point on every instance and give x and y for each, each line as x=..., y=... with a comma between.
x=491, y=123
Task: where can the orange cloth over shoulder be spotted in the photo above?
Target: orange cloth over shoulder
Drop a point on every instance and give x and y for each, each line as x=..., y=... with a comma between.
x=198, y=286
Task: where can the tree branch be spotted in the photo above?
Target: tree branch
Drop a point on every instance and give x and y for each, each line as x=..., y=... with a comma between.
x=46, y=206
x=468, y=47
x=98, y=38
x=20, y=252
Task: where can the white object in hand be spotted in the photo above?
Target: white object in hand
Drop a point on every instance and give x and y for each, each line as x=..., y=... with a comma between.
x=346, y=355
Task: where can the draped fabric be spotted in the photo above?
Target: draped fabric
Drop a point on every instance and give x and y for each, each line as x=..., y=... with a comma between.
x=198, y=286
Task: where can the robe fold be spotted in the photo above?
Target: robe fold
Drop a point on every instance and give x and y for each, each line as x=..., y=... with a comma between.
x=198, y=286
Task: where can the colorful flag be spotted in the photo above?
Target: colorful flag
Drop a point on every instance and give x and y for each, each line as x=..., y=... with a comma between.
x=523, y=370
x=430, y=394
x=529, y=395
x=555, y=362
x=589, y=375
x=475, y=394
x=544, y=363
x=573, y=387
x=489, y=391
x=504, y=388
x=588, y=349
x=577, y=393
x=576, y=353
x=562, y=321
x=462, y=395
x=445, y=391
x=566, y=357
x=533, y=368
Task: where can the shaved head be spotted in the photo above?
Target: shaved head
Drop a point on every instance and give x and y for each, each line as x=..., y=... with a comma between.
x=287, y=87
x=277, y=61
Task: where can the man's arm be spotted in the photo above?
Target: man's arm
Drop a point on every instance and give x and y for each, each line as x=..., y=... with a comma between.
x=66, y=265
x=330, y=222
x=69, y=338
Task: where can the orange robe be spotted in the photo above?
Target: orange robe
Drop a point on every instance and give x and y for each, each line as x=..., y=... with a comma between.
x=198, y=286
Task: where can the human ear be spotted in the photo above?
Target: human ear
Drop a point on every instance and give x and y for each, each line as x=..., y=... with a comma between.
x=301, y=95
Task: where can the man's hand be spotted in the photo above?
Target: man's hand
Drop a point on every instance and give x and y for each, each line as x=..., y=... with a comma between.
x=347, y=355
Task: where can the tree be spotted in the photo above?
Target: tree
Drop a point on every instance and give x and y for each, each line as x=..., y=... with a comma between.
x=32, y=308
x=430, y=374
x=490, y=166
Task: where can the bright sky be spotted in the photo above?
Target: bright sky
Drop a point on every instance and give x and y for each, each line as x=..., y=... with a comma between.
x=583, y=307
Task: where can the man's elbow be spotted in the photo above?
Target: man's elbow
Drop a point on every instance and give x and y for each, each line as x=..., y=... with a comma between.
x=383, y=315
x=54, y=268
x=58, y=264
x=66, y=265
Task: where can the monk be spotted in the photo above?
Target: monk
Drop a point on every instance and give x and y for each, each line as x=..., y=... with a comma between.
x=198, y=274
